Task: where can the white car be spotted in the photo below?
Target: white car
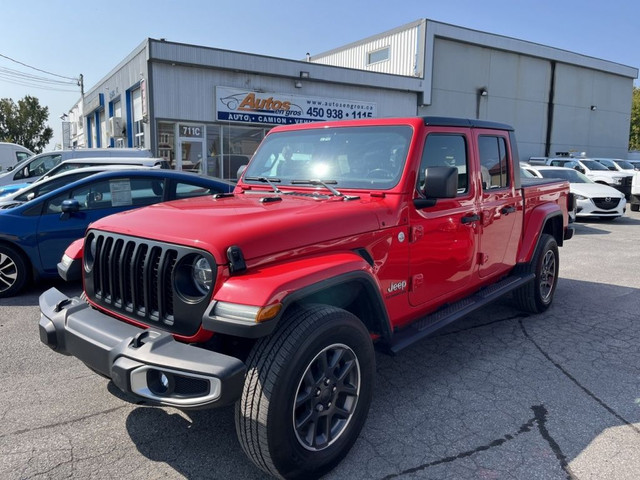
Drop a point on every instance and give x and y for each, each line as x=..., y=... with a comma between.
x=592, y=199
x=620, y=180
x=616, y=164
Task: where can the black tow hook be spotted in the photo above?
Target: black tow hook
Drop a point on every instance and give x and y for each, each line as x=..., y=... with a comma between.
x=61, y=304
x=138, y=340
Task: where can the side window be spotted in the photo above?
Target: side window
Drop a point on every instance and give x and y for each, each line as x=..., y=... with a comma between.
x=118, y=192
x=20, y=156
x=39, y=167
x=493, y=162
x=90, y=197
x=187, y=190
x=445, y=150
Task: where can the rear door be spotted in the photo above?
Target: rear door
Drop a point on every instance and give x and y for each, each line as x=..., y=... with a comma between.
x=499, y=203
x=443, y=238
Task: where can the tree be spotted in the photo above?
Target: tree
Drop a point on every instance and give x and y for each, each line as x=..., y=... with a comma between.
x=634, y=130
x=24, y=123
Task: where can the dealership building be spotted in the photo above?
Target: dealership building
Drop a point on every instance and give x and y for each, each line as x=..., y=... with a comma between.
x=207, y=109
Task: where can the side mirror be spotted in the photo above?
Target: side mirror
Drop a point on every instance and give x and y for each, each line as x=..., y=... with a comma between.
x=70, y=206
x=240, y=171
x=439, y=182
x=9, y=168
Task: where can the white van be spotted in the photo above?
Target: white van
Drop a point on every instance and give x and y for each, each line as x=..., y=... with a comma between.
x=11, y=154
x=34, y=167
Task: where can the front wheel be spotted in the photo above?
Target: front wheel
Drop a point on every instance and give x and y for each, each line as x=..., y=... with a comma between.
x=634, y=207
x=307, y=392
x=537, y=295
x=13, y=271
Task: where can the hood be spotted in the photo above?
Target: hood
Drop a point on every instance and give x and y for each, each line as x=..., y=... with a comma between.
x=258, y=227
x=592, y=190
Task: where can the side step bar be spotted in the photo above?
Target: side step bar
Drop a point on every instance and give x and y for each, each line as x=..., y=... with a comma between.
x=450, y=313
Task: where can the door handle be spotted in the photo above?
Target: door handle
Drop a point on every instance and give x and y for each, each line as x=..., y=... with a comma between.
x=470, y=218
x=507, y=210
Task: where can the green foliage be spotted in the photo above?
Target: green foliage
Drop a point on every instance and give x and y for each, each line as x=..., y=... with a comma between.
x=634, y=130
x=24, y=123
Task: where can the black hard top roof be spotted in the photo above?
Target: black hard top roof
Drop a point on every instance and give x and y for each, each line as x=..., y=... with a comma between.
x=465, y=122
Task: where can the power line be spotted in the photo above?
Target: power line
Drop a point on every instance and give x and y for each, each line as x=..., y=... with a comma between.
x=38, y=69
x=34, y=85
x=8, y=72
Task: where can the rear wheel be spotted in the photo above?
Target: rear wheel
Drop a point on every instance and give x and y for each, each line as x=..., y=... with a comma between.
x=13, y=271
x=537, y=295
x=307, y=392
x=634, y=207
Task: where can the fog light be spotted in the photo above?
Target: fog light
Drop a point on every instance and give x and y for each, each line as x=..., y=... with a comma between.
x=160, y=383
x=164, y=381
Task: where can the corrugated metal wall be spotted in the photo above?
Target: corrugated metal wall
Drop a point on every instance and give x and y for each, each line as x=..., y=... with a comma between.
x=517, y=92
x=403, y=48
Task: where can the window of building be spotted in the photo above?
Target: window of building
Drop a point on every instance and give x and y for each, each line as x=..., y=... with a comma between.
x=238, y=145
x=166, y=142
x=378, y=56
x=493, y=161
x=118, y=138
x=104, y=133
x=445, y=150
x=136, y=118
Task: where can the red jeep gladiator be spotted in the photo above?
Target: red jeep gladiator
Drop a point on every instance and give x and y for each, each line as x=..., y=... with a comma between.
x=339, y=236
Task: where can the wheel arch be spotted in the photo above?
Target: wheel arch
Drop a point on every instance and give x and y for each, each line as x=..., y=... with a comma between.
x=345, y=280
x=356, y=292
x=541, y=221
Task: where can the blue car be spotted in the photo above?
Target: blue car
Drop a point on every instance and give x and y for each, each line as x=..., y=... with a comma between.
x=35, y=234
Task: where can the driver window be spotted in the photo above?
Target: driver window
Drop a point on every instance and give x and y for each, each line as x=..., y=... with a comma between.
x=89, y=197
x=493, y=162
x=39, y=167
x=445, y=150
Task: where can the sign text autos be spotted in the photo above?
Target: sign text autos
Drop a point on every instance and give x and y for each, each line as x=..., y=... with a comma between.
x=245, y=106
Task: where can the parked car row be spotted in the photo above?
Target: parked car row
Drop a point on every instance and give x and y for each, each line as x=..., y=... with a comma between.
x=38, y=222
x=34, y=167
x=591, y=199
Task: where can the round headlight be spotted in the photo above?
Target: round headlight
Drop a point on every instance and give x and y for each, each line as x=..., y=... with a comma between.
x=202, y=275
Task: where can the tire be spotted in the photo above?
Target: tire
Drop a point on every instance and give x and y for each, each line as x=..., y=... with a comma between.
x=537, y=295
x=321, y=359
x=634, y=207
x=13, y=271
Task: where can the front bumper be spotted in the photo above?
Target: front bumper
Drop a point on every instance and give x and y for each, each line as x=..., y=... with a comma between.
x=587, y=208
x=148, y=364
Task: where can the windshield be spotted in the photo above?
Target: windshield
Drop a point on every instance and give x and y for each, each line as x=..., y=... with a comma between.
x=607, y=163
x=593, y=165
x=345, y=157
x=572, y=176
x=624, y=164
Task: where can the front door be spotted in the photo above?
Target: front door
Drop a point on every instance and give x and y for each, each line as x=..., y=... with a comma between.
x=191, y=155
x=443, y=238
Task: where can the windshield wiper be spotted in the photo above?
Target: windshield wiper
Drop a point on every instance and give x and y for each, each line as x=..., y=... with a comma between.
x=324, y=183
x=269, y=180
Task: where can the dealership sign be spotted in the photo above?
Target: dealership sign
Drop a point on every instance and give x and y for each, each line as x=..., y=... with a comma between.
x=247, y=106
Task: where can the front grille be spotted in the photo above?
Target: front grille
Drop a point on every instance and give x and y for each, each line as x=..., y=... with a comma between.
x=136, y=278
x=606, y=203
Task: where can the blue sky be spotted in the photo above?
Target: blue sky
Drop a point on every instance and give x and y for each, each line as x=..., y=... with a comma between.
x=72, y=37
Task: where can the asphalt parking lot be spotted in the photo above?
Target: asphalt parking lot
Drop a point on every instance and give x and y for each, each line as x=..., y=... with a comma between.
x=500, y=395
